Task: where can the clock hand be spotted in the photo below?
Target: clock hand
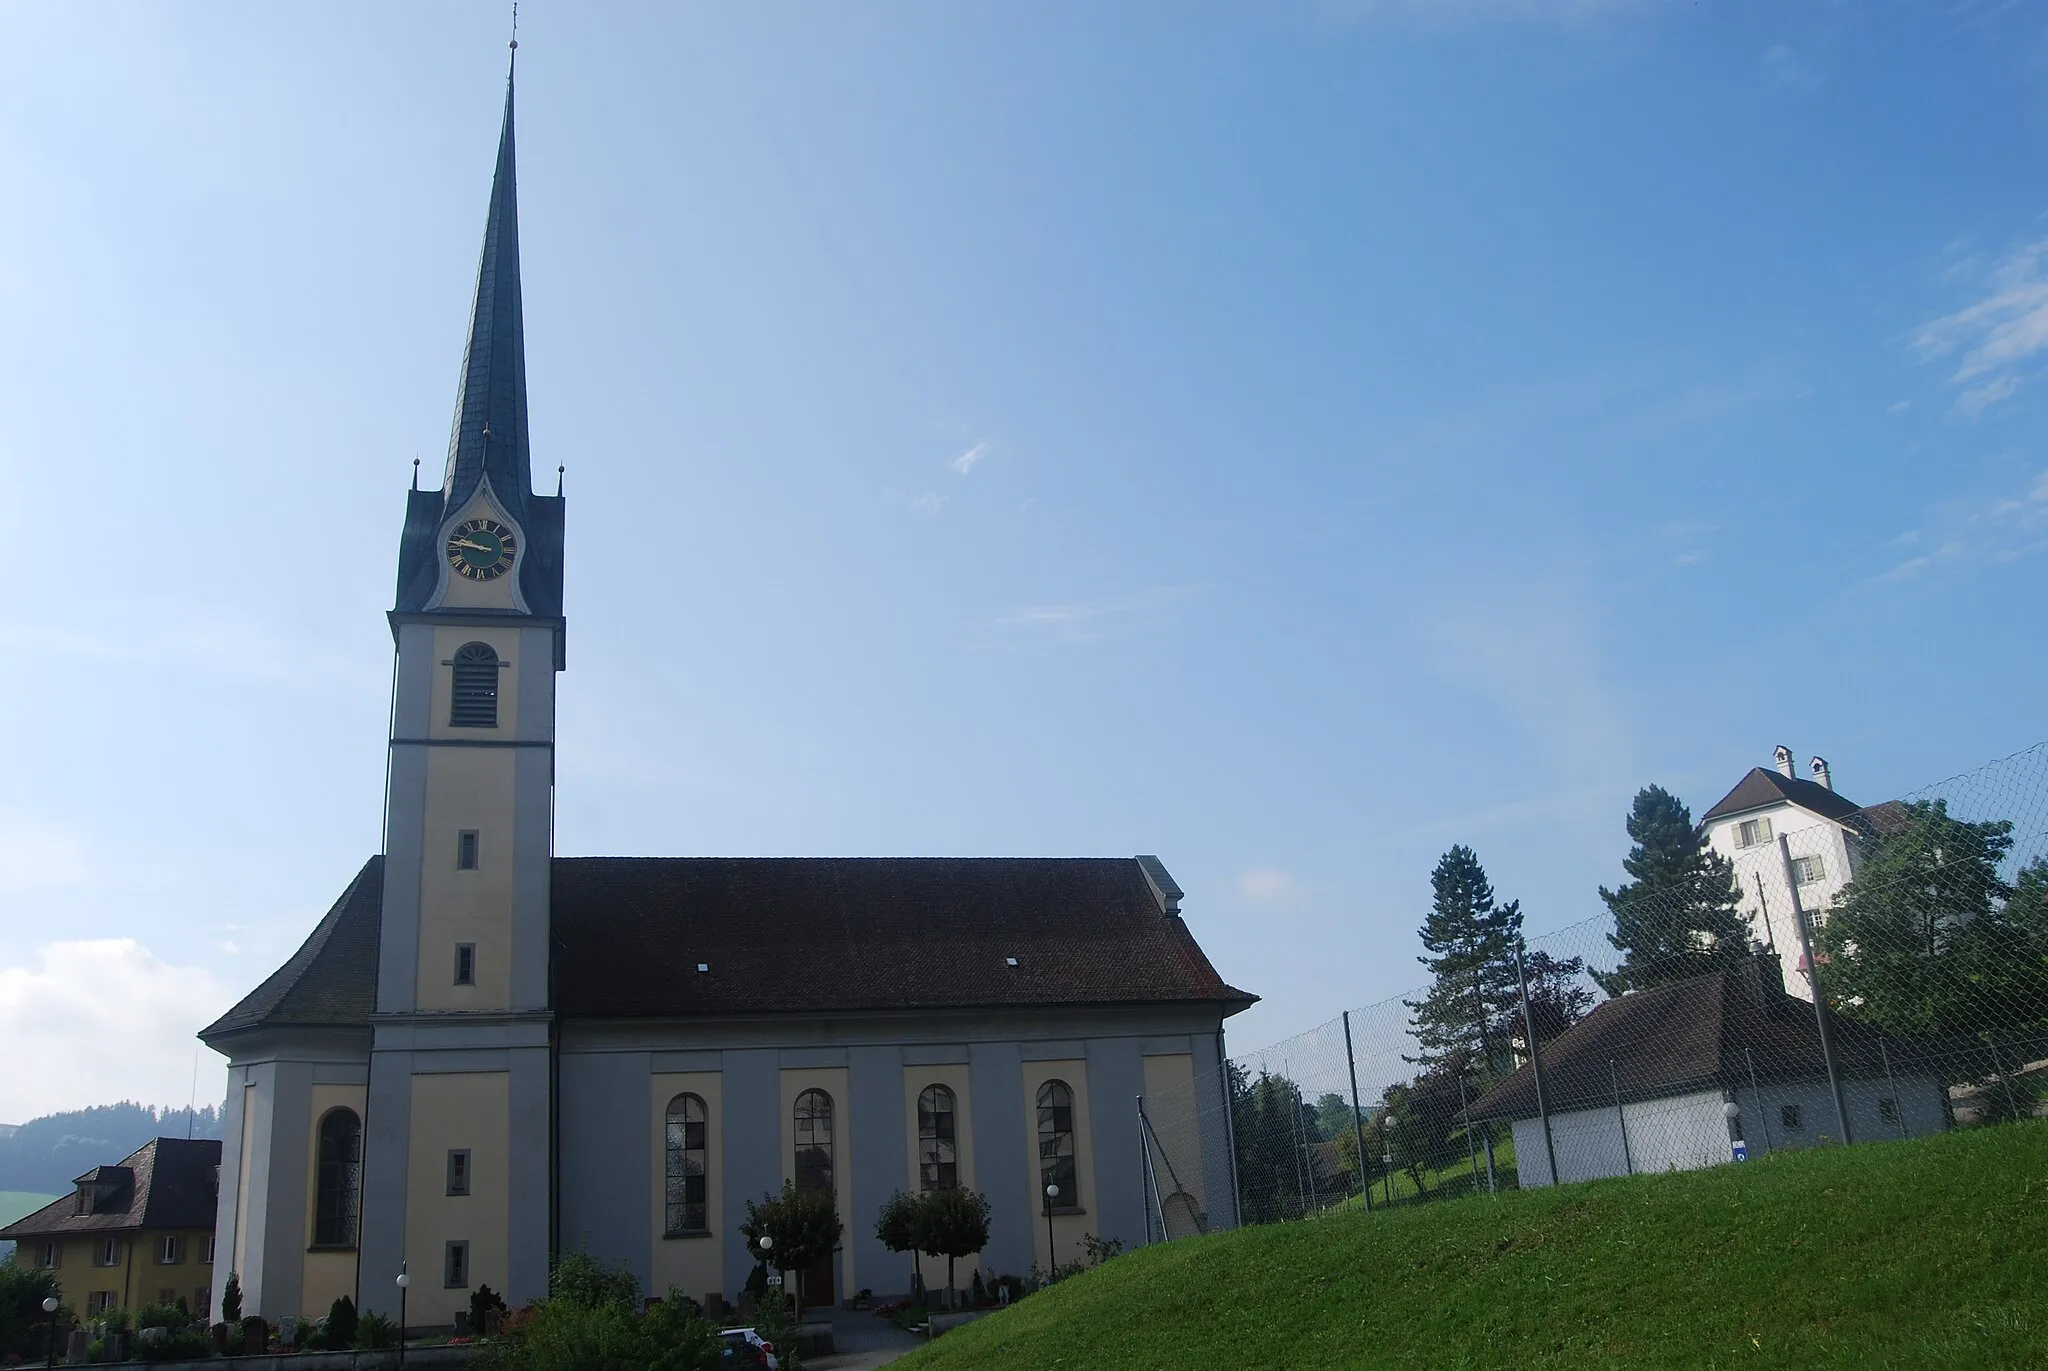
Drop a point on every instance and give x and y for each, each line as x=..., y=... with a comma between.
x=464, y=542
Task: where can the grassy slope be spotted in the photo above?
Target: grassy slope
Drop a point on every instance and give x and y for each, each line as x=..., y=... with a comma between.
x=1900, y=1254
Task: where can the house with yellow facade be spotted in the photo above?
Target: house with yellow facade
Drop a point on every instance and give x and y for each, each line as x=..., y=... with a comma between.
x=134, y=1233
x=486, y=1053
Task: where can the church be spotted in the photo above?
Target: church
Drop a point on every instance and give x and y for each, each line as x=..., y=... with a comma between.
x=485, y=1054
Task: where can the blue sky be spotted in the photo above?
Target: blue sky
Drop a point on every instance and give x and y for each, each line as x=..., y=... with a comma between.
x=1289, y=438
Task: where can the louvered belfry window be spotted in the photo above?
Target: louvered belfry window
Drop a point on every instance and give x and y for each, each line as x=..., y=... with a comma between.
x=475, y=701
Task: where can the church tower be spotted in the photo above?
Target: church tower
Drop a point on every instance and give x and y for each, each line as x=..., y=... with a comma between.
x=457, y=1145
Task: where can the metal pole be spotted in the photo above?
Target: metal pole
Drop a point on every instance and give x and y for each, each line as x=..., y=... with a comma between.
x=1357, y=1114
x=1293, y=1131
x=401, y=1319
x=1821, y=1016
x=1230, y=1134
x=1171, y=1174
x=1471, y=1143
x=1998, y=1067
x=1535, y=1062
x=1763, y=1118
x=1764, y=905
x=1898, y=1105
x=1146, y=1182
x=1621, y=1116
x=1052, y=1255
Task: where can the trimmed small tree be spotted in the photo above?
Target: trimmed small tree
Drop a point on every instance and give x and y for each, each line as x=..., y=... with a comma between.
x=897, y=1228
x=804, y=1224
x=955, y=1224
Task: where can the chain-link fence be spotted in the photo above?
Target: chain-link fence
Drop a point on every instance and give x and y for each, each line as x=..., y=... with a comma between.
x=1824, y=974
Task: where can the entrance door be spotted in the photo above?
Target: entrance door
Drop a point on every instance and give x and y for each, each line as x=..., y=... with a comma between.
x=815, y=1283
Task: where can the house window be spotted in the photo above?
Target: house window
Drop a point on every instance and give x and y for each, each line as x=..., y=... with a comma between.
x=1809, y=870
x=338, y=1199
x=206, y=1251
x=107, y=1252
x=474, y=701
x=100, y=1302
x=938, y=1156
x=202, y=1303
x=170, y=1250
x=814, y=1141
x=687, y=1126
x=166, y=1296
x=465, y=963
x=1788, y=1115
x=465, y=850
x=1752, y=832
x=456, y=1265
x=1888, y=1111
x=1056, y=1144
x=53, y=1255
x=458, y=1171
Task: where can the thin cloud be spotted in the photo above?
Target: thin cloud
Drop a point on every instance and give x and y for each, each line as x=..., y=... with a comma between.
x=1081, y=621
x=35, y=855
x=2003, y=529
x=967, y=461
x=1268, y=885
x=1690, y=557
x=929, y=503
x=1470, y=13
x=1998, y=338
x=1787, y=70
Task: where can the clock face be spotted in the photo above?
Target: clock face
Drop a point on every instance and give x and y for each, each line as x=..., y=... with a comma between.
x=481, y=549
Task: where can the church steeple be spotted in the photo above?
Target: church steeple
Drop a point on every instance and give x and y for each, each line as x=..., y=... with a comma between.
x=490, y=405
x=488, y=447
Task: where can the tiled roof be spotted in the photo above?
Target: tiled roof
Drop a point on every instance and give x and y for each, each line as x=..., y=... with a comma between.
x=800, y=935
x=1691, y=1035
x=1763, y=786
x=168, y=1184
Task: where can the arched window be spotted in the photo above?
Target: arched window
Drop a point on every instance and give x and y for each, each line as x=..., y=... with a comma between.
x=814, y=1141
x=474, y=703
x=938, y=1156
x=686, y=1130
x=1056, y=1144
x=339, y=1198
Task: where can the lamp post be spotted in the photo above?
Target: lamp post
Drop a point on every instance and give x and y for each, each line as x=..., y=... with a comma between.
x=1387, y=1154
x=403, y=1281
x=1733, y=1113
x=50, y=1308
x=1052, y=1256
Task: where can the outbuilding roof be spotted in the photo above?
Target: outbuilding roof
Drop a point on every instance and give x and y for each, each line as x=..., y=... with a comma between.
x=677, y=937
x=1693, y=1034
x=165, y=1183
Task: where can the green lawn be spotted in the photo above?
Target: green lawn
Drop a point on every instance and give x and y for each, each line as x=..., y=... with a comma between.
x=1888, y=1255
x=15, y=1204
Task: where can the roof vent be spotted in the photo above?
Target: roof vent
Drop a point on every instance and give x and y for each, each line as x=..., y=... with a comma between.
x=1009, y=961
x=1783, y=754
x=703, y=967
x=1820, y=773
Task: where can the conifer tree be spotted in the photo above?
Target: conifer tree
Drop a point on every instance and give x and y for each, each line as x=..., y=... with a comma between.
x=1470, y=942
x=1679, y=917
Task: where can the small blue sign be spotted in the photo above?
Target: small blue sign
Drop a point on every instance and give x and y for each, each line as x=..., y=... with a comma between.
x=1741, y=1150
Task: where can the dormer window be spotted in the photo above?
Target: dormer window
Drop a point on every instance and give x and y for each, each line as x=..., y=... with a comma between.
x=474, y=701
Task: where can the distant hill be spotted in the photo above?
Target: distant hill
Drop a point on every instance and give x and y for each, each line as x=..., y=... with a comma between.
x=46, y=1155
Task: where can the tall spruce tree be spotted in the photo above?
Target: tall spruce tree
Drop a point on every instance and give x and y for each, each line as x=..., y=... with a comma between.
x=1470, y=942
x=1680, y=916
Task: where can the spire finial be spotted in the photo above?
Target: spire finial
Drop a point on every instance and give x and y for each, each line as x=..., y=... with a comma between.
x=515, y=32
x=415, y=473
x=558, y=481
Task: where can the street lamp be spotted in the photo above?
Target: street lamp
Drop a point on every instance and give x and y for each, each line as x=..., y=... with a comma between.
x=403, y=1281
x=1733, y=1113
x=1052, y=1256
x=1387, y=1153
x=50, y=1308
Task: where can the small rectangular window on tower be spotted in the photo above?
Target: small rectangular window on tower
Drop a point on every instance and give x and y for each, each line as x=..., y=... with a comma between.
x=465, y=850
x=458, y=1266
x=458, y=1171
x=465, y=963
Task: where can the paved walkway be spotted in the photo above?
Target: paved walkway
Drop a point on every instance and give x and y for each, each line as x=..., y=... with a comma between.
x=860, y=1341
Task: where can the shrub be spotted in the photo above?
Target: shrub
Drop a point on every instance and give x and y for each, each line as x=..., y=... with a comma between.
x=582, y=1279
x=231, y=1300
x=340, y=1330
x=481, y=1302
x=161, y=1316
x=373, y=1331
x=23, y=1324
x=565, y=1334
x=188, y=1344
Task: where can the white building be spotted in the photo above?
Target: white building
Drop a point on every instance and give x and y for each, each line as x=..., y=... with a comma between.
x=1822, y=831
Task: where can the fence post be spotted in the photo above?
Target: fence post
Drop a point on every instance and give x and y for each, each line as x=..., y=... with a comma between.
x=1357, y=1115
x=1230, y=1132
x=1621, y=1116
x=1998, y=1069
x=1147, y=1190
x=1822, y=1018
x=1535, y=1063
x=1898, y=1105
x=1471, y=1143
x=1763, y=1118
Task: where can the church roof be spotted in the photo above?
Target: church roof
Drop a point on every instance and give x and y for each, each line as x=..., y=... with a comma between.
x=1763, y=787
x=165, y=1183
x=799, y=935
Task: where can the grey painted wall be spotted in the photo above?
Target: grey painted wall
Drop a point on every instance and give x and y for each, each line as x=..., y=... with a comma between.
x=529, y=1167
x=606, y=1147
x=881, y=1159
x=226, y=1207
x=753, y=1158
x=996, y=1103
x=532, y=870
x=404, y=853
x=284, y=1228
x=1219, y=1177
x=1116, y=1077
x=386, y=1133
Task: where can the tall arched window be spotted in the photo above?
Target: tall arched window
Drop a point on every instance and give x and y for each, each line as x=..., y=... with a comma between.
x=938, y=1156
x=474, y=703
x=814, y=1141
x=686, y=1129
x=1056, y=1144
x=338, y=1199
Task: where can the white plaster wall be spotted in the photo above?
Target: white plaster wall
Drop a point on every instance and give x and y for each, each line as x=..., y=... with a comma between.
x=1806, y=834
